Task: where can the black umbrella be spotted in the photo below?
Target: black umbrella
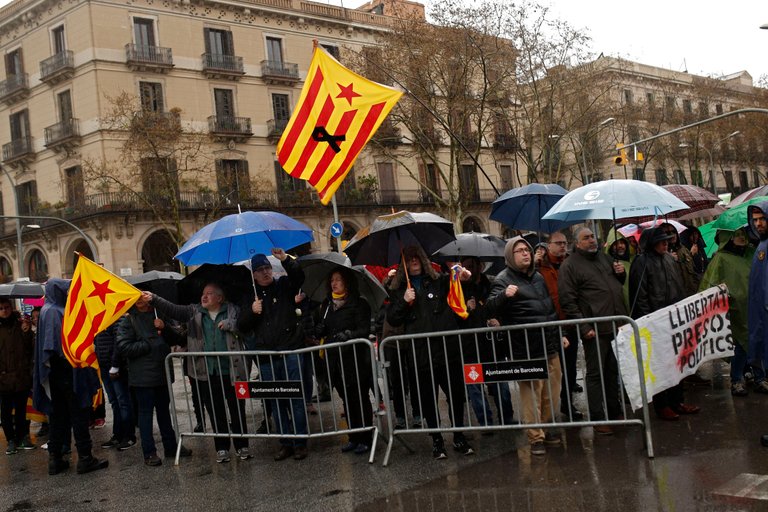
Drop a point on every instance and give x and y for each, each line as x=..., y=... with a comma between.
x=235, y=280
x=317, y=267
x=164, y=284
x=480, y=245
x=22, y=290
x=382, y=242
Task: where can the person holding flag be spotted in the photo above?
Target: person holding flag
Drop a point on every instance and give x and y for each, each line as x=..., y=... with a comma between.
x=419, y=301
x=520, y=296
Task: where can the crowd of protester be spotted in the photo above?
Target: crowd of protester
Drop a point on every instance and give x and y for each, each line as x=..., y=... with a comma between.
x=565, y=276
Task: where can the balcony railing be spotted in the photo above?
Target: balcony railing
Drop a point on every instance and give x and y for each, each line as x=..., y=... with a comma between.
x=57, y=67
x=505, y=142
x=14, y=88
x=62, y=132
x=276, y=127
x=230, y=126
x=17, y=149
x=272, y=70
x=147, y=57
x=216, y=64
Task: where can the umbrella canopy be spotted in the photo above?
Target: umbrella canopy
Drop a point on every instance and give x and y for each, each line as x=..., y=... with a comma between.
x=481, y=245
x=239, y=236
x=615, y=199
x=749, y=194
x=679, y=227
x=317, y=267
x=381, y=243
x=696, y=198
x=164, y=284
x=733, y=218
x=235, y=280
x=524, y=207
x=700, y=214
x=22, y=289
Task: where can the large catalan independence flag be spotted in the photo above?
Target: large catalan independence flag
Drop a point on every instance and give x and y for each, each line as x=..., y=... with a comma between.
x=97, y=298
x=337, y=114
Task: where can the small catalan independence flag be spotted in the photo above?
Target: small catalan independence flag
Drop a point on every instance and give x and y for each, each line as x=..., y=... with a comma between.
x=456, y=295
x=97, y=298
x=336, y=115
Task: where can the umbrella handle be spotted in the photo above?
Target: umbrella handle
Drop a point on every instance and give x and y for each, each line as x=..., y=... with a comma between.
x=405, y=268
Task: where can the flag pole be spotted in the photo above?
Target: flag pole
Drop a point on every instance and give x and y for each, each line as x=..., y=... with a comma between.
x=336, y=220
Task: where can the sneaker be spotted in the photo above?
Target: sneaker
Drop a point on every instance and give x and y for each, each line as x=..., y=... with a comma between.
x=350, y=446
x=184, y=452
x=438, y=449
x=127, y=444
x=461, y=445
x=739, y=389
x=112, y=443
x=26, y=444
x=222, y=456
x=153, y=460
x=761, y=387
x=577, y=388
x=399, y=423
x=284, y=453
x=243, y=453
x=362, y=448
x=57, y=465
x=300, y=453
x=538, y=448
x=90, y=463
x=44, y=446
x=552, y=439
x=11, y=450
x=417, y=423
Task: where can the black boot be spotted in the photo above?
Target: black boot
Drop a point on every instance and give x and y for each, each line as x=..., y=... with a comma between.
x=56, y=464
x=90, y=463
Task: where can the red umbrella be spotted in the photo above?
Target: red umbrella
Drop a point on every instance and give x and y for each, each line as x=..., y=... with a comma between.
x=698, y=200
x=749, y=194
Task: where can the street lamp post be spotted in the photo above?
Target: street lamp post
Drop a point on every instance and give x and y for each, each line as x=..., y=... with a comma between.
x=19, y=251
x=600, y=126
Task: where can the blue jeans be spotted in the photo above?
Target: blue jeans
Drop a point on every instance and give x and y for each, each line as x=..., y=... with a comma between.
x=119, y=397
x=290, y=413
x=501, y=396
x=739, y=363
x=155, y=399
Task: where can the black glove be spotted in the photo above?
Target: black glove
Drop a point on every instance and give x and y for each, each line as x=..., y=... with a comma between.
x=319, y=329
x=342, y=336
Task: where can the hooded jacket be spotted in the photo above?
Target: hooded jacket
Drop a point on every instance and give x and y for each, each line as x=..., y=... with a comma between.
x=625, y=260
x=700, y=260
x=655, y=280
x=531, y=304
x=691, y=279
x=48, y=351
x=731, y=266
x=758, y=292
x=590, y=288
x=139, y=343
x=17, y=349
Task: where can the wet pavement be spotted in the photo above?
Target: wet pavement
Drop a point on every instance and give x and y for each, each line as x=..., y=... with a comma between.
x=712, y=461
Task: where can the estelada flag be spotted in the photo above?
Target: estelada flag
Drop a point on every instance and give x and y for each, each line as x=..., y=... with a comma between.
x=456, y=295
x=97, y=298
x=337, y=114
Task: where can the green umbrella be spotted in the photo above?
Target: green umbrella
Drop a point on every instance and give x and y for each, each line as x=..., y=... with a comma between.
x=733, y=218
x=708, y=232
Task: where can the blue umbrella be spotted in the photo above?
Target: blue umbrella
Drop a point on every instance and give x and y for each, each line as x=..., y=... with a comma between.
x=239, y=236
x=524, y=207
x=614, y=199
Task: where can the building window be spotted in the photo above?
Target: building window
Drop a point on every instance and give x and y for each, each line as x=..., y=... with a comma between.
x=671, y=103
x=6, y=271
x=687, y=107
x=26, y=194
x=729, y=181
x=472, y=225
x=651, y=99
x=281, y=110
x=19, y=125
x=232, y=180
x=160, y=180
x=627, y=96
x=75, y=187
x=703, y=109
x=639, y=173
x=743, y=181
x=719, y=109
x=697, y=177
x=224, y=100
x=275, y=51
x=756, y=178
x=37, y=267
x=680, y=177
x=430, y=182
x=58, y=40
x=218, y=42
x=14, y=65
x=143, y=32
x=661, y=177
x=151, y=95
x=333, y=50
x=386, y=174
x=507, y=178
x=468, y=182
x=64, y=102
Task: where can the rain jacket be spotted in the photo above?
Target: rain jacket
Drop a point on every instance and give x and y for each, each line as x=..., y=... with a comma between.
x=731, y=265
x=691, y=278
x=590, y=288
x=192, y=314
x=48, y=351
x=17, y=349
x=626, y=260
x=140, y=344
x=350, y=321
x=700, y=260
x=758, y=293
x=655, y=280
x=549, y=270
x=531, y=304
x=277, y=327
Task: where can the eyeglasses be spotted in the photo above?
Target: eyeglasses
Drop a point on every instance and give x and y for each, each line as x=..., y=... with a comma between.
x=521, y=251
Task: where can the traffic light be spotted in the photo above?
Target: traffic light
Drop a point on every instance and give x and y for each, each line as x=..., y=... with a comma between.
x=621, y=158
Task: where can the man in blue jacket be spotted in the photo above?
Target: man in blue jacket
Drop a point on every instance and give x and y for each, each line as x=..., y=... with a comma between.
x=758, y=299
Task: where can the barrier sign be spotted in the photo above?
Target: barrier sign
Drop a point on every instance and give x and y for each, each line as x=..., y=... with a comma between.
x=269, y=389
x=503, y=371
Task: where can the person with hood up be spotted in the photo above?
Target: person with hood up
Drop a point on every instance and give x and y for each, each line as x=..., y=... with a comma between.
x=420, y=308
x=16, y=351
x=62, y=392
x=655, y=282
x=684, y=258
x=621, y=251
x=519, y=295
x=692, y=239
x=730, y=265
x=590, y=286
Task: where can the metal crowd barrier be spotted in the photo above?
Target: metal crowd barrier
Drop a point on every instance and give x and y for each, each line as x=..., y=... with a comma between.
x=412, y=366
x=282, y=381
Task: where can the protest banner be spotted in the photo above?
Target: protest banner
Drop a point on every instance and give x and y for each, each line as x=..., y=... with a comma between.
x=674, y=341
